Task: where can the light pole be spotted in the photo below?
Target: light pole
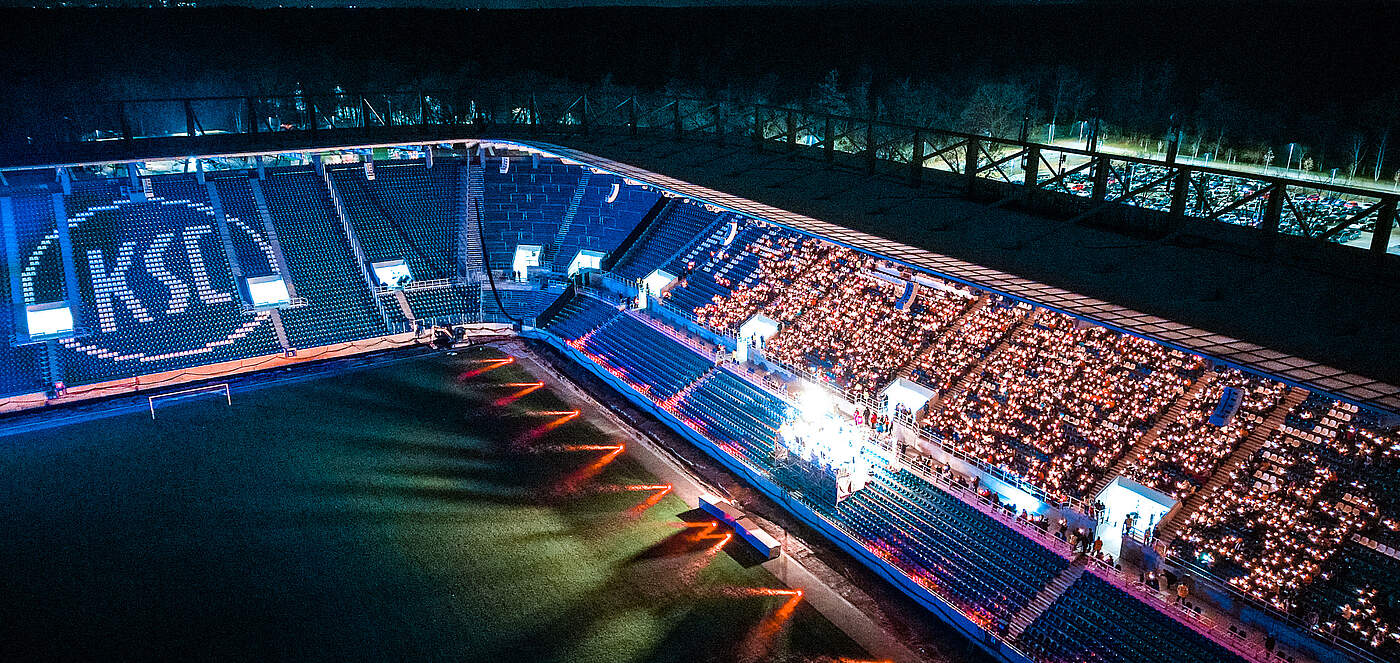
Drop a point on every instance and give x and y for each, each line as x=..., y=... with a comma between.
x=1289, y=164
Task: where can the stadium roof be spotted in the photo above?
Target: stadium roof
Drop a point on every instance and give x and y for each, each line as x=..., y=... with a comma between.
x=1306, y=373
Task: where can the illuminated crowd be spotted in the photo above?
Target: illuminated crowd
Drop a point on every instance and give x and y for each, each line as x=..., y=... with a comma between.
x=1063, y=401
x=1060, y=403
x=856, y=338
x=1189, y=449
x=953, y=355
x=793, y=274
x=1276, y=527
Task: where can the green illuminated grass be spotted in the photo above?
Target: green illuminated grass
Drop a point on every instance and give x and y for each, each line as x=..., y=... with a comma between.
x=386, y=514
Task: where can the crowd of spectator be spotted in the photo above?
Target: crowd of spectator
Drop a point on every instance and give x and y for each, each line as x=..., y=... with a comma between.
x=1189, y=449
x=1063, y=401
x=1276, y=528
x=793, y=274
x=952, y=355
x=1060, y=402
x=857, y=338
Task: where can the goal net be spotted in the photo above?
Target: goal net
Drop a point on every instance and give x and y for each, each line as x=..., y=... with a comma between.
x=186, y=394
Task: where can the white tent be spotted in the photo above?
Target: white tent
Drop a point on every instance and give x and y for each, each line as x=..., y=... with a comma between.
x=908, y=393
x=268, y=291
x=526, y=256
x=654, y=284
x=754, y=331
x=586, y=260
x=1124, y=496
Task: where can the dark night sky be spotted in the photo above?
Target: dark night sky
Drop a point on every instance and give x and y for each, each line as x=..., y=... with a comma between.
x=1328, y=63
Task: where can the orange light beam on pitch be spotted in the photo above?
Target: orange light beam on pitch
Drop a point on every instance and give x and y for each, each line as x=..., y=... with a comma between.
x=583, y=474
x=690, y=573
x=526, y=388
x=538, y=431
x=490, y=365
x=757, y=645
x=652, y=500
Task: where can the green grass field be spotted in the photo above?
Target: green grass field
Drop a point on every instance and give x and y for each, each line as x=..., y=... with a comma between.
x=403, y=512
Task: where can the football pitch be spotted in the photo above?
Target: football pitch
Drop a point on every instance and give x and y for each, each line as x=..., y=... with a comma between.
x=439, y=508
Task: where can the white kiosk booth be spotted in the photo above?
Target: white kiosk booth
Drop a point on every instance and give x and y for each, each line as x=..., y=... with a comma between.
x=526, y=256
x=392, y=274
x=908, y=393
x=587, y=260
x=47, y=321
x=268, y=292
x=1124, y=497
x=754, y=332
x=654, y=284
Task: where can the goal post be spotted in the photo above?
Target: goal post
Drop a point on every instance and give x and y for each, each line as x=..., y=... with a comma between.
x=207, y=390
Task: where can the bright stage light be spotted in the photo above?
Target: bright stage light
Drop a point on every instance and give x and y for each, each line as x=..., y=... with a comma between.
x=814, y=402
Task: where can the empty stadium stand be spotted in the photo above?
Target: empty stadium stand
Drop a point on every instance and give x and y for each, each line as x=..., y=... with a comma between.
x=1096, y=619
x=340, y=307
x=675, y=228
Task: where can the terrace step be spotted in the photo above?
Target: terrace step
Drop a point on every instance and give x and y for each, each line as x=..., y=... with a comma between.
x=551, y=250
x=1144, y=443
x=354, y=242
x=1045, y=598
x=470, y=192
x=281, y=331
x=907, y=296
x=952, y=326
x=404, y=308
x=670, y=403
x=235, y=267
x=1171, y=527
x=260, y=202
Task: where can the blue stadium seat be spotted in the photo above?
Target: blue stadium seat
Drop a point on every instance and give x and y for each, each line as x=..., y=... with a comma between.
x=1094, y=620
x=323, y=267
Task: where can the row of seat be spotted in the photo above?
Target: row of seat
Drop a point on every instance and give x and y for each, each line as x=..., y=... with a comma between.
x=460, y=303
x=251, y=245
x=525, y=204
x=954, y=549
x=717, y=275
x=644, y=357
x=579, y=316
x=323, y=268
x=599, y=225
x=737, y=414
x=676, y=227
x=157, y=290
x=1095, y=621
x=408, y=212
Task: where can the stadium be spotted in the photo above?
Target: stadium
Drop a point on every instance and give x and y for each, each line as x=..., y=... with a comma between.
x=559, y=379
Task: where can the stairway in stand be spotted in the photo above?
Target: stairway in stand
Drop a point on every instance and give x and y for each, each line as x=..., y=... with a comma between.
x=1145, y=442
x=1045, y=598
x=551, y=250
x=1168, y=529
x=281, y=331
x=404, y=308
x=950, y=328
x=470, y=192
x=966, y=380
x=669, y=404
